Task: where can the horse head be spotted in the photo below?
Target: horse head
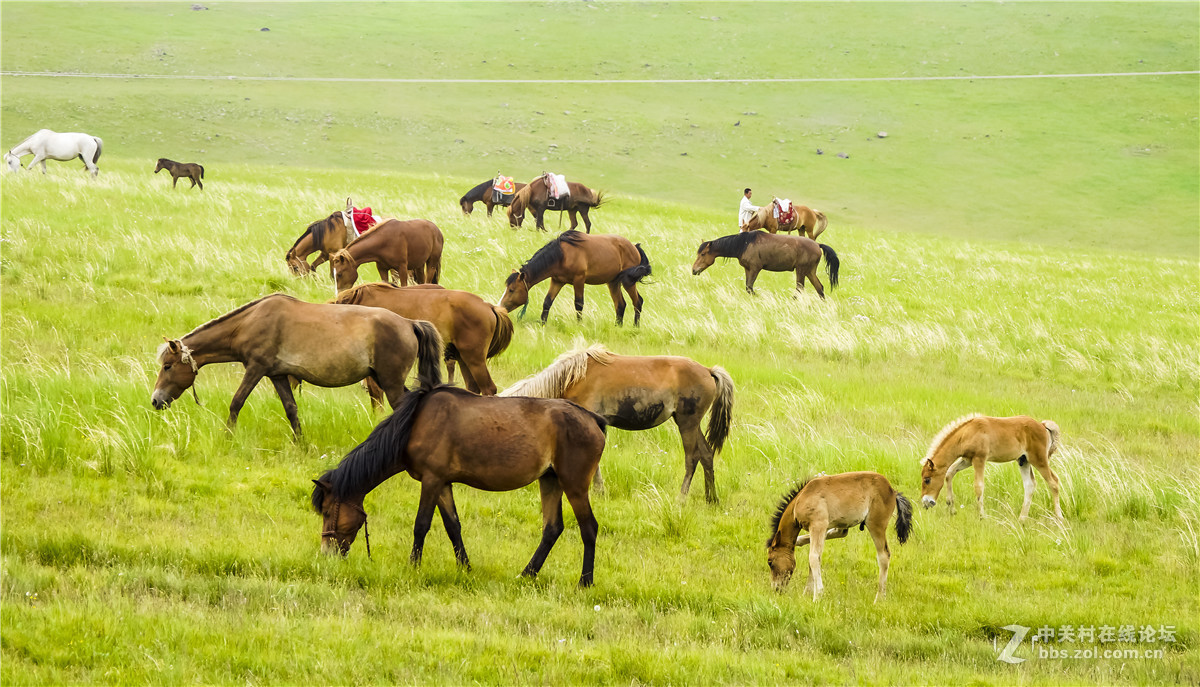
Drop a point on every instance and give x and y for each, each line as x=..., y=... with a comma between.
x=516, y=290
x=341, y=519
x=13, y=162
x=177, y=374
x=781, y=559
x=299, y=266
x=345, y=269
x=162, y=164
x=705, y=257
x=932, y=480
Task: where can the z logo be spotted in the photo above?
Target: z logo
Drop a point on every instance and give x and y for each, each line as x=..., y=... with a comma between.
x=1019, y=632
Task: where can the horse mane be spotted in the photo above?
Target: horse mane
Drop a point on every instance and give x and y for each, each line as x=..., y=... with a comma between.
x=236, y=311
x=353, y=295
x=566, y=369
x=548, y=255
x=520, y=199
x=945, y=434
x=733, y=246
x=479, y=191
x=783, y=504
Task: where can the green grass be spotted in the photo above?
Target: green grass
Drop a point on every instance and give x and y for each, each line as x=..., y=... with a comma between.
x=141, y=546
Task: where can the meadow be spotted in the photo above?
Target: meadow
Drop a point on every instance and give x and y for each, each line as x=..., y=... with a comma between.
x=143, y=546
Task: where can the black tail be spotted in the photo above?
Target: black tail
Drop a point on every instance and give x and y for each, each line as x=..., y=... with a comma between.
x=903, y=518
x=99, y=147
x=201, y=171
x=635, y=274
x=831, y=263
x=429, y=354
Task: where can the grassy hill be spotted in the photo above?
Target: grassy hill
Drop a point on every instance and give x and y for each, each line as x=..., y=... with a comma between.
x=1048, y=271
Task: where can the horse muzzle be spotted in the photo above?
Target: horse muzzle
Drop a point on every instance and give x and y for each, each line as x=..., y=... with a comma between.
x=928, y=501
x=160, y=400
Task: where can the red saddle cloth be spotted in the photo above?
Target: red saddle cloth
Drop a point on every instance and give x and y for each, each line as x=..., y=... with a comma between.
x=785, y=212
x=364, y=219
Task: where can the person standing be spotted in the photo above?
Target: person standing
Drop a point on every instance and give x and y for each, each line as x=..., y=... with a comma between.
x=746, y=210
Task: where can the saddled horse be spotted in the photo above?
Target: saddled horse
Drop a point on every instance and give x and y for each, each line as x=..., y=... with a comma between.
x=482, y=194
x=413, y=245
x=803, y=219
x=324, y=237
x=828, y=507
x=536, y=198
x=50, y=145
x=280, y=337
x=975, y=440
x=757, y=251
x=446, y=435
x=642, y=392
x=472, y=329
x=189, y=170
x=576, y=258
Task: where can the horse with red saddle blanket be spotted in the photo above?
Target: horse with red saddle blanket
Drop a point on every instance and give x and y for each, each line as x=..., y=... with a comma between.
x=783, y=215
x=328, y=236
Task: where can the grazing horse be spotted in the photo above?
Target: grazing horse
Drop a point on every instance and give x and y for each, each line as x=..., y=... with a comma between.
x=577, y=259
x=757, y=251
x=827, y=507
x=472, y=329
x=191, y=170
x=977, y=440
x=482, y=194
x=50, y=145
x=279, y=337
x=803, y=220
x=446, y=435
x=324, y=237
x=412, y=245
x=641, y=392
x=536, y=198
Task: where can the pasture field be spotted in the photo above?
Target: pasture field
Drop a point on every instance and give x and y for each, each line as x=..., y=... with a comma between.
x=141, y=546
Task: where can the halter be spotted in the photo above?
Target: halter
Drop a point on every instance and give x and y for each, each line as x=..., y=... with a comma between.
x=337, y=509
x=185, y=356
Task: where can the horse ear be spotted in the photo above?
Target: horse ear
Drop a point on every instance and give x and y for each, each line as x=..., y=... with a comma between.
x=774, y=541
x=172, y=344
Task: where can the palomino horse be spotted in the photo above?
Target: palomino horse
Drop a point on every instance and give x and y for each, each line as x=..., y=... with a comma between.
x=977, y=440
x=577, y=259
x=536, y=198
x=757, y=251
x=827, y=507
x=447, y=435
x=641, y=392
x=324, y=237
x=803, y=220
x=472, y=329
x=482, y=194
x=189, y=170
x=50, y=145
x=412, y=245
x=279, y=337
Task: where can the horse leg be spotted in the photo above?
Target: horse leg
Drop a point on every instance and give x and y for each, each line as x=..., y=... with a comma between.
x=816, y=282
x=36, y=159
x=445, y=504
x=376, y=393
x=878, y=528
x=574, y=221
x=751, y=277
x=540, y=214
x=174, y=180
x=430, y=491
x=1052, y=483
x=450, y=371
x=249, y=381
x=1027, y=480
x=637, y=299
x=979, y=464
x=283, y=387
x=614, y=290
x=476, y=375
x=587, y=223
x=696, y=450
x=579, y=298
x=555, y=287
x=552, y=521
x=816, y=544
x=957, y=467
x=577, y=496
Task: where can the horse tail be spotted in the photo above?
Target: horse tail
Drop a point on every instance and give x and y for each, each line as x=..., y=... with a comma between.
x=822, y=222
x=903, y=518
x=720, y=416
x=201, y=171
x=502, y=336
x=429, y=354
x=1055, y=436
x=597, y=198
x=635, y=274
x=831, y=263
x=99, y=147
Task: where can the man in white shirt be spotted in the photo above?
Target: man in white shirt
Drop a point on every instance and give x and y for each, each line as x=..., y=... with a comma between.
x=746, y=210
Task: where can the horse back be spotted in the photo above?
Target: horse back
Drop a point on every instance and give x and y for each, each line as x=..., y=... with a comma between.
x=640, y=392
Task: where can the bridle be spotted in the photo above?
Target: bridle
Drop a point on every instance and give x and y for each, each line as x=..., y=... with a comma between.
x=337, y=509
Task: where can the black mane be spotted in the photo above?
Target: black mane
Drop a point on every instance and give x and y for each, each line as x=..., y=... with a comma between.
x=547, y=256
x=477, y=193
x=733, y=246
x=317, y=229
x=783, y=504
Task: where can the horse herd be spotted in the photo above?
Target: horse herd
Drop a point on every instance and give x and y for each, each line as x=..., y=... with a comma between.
x=550, y=427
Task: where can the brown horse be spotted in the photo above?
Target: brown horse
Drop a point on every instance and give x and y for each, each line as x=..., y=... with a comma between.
x=472, y=329
x=757, y=251
x=577, y=259
x=483, y=194
x=412, y=245
x=191, y=170
x=641, y=392
x=977, y=440
x=447, y=435
x=324, y=237
x=536, y=198
x=280, y=337
x=805, y=220
x=827, y=507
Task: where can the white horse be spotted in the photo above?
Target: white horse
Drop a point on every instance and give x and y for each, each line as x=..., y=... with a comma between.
x=48, y=145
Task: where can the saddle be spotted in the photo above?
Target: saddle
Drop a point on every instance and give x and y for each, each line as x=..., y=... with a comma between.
x=784, y=211
x=363, y=219
x=503, y=190
x=558, y=192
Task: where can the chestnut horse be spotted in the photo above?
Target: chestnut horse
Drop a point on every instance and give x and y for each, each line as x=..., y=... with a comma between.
x=757, y=251
x=577, y=259
x=279, y=337
x=189, y=170
x=446, y=435
x=482, y=194
x=536, y=198
x=805, y=220
x=413, y=245
x=472, y=329
x=324, y=237
x=641, y=392
x=827, y=507
x=977, y=440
